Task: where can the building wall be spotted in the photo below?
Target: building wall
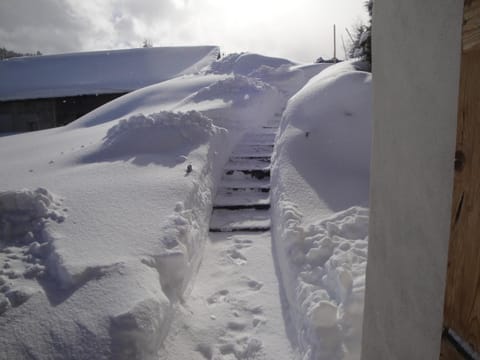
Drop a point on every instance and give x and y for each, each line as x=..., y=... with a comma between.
x=71, y=108
x=20, y=116
x=38, y=114
x=416, y=60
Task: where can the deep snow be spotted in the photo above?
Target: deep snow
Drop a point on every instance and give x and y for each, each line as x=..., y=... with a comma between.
x=103, y=229
x=320, y=179
x=99, y=72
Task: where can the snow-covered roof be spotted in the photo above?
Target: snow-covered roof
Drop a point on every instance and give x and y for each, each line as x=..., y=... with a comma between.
x=98, y=72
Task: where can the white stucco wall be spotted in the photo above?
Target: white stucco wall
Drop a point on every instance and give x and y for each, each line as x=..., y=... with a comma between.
x=416, y=47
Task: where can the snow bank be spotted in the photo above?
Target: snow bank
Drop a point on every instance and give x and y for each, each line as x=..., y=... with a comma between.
x=323, y=271
x=284, y=75
x=98, y=272
x=99, y=72
x=131, y=244
x=175, y=134
x=245, y=63
x=136, y=177
x=150, y=99
x=319, y=219
x=237, y=103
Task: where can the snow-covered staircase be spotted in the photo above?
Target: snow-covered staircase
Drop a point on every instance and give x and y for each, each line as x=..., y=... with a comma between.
x=242, y=202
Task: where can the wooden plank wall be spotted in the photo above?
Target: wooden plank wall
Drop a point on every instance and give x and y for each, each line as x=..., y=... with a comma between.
x=462, y=295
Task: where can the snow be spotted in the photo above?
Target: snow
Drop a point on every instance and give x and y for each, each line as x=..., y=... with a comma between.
x=99, y=72
x=319, y=216
x=104, y=244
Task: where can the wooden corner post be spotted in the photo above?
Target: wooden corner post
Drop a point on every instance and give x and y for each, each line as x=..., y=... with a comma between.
x=461, y=325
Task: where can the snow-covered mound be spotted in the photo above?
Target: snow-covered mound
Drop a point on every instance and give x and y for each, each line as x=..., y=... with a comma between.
x=130, y=244
x=95, y=261
x=340, y=131
x=99, y=72
x=121, y=241
x=231, y=100
x=175, y=134
x=229, y=89
x=319, y=219
x=150, y=99
x=286, y=76
x=245, y=63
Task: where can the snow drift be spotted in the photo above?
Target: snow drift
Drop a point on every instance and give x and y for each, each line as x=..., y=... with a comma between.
x=121, y=240
x=103, y=221
x=320, y=223
x=133, y=276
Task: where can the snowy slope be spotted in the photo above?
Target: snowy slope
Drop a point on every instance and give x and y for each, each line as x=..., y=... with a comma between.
x=320, y=223
x=102, y=228
x=99, y=72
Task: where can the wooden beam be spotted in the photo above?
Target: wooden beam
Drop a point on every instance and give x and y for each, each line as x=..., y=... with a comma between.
x=462, y=294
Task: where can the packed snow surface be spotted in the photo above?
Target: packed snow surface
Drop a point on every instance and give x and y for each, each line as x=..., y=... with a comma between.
x=99, y=72
x=104, y=222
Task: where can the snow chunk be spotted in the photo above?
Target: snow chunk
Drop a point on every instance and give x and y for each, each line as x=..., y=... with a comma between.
x=136, y=334
x=324, y=315
x=24, y=213
x=327, y=284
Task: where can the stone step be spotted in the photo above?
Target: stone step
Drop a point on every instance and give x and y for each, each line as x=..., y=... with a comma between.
x=259, y=136
x=266, y=159
x=245, y=183
x=242, y=206
x=240, y=220
x=240, y=190
x=241, y=198
x=246, y=174
x=247, y=164
x=241, y=229
x=256, y=141
x=253, y=150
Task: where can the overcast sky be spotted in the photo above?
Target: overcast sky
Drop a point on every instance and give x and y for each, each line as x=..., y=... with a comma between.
x=295, y=29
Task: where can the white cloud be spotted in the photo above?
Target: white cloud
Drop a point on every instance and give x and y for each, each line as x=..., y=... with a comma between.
x=299, y=30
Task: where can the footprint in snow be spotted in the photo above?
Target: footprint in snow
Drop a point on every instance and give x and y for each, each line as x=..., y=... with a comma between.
x=254, y=285
x=237, y=256
x=236, y=325
x=242, y=244
x=245, y=347
x=218, y=297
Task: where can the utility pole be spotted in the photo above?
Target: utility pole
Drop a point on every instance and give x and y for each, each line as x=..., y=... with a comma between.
x=334, y=43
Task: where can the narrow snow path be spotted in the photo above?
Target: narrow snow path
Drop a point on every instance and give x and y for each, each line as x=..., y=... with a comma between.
x=234, y=311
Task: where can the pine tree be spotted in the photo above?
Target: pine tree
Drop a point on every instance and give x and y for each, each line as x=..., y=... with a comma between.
x=361, y=46
x=147, y=43
x=368, y=37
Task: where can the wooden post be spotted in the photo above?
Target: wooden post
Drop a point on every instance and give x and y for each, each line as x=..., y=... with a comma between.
x=461, y=335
